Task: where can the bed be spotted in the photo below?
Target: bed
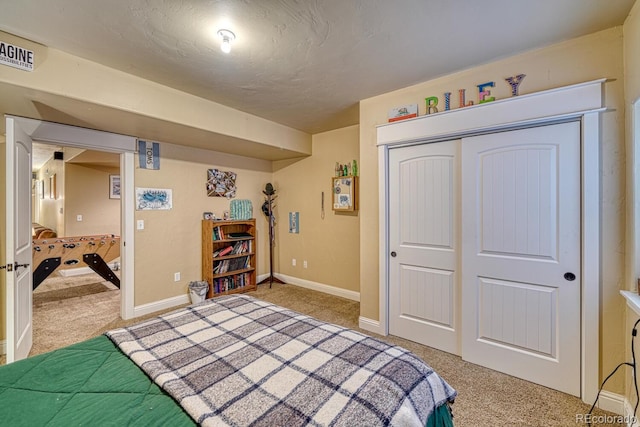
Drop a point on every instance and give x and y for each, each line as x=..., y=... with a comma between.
x=231, y=361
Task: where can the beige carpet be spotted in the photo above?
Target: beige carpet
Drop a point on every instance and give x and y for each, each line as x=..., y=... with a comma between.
x=68, y=311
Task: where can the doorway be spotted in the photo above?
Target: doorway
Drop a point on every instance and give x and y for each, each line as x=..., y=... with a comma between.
x=18, y=300
x=74, y=216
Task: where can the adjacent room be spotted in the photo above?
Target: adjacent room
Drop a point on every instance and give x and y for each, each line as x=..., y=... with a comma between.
x=320, y=213
x=75, y=211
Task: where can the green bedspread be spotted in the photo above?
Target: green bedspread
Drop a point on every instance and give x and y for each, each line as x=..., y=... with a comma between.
x=91, y=384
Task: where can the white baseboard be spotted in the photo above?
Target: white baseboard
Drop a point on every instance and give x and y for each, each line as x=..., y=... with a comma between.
x=85, y=270
x=628, y=415
x=618, y=405
x=370, y=325
x=321, y=287
x=144, y=309
x=612, y=402
x=75, y=271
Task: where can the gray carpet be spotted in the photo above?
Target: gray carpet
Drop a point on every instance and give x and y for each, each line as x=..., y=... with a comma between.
x=71, y=310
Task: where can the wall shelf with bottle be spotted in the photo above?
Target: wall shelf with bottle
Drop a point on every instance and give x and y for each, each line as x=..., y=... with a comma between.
x=344, y=187
x=345, y=193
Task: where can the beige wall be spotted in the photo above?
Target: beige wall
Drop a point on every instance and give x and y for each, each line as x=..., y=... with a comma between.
x=631, y=32
x=52, y=209
x=330, y=245
x=3, y=242
x=583, y=59
x=87, y=194
x=171, y=239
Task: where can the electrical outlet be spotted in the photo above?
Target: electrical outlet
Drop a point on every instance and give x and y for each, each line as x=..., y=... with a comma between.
x=176, y=277
x=304, y=263
x=79, y=218
x=293, y=262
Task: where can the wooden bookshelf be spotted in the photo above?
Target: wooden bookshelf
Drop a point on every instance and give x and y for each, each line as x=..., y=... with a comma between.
x=229, y=256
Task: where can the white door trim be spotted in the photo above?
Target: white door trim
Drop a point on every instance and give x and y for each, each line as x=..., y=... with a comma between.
x=583, y=101
x=73, y=136
x=127, y=213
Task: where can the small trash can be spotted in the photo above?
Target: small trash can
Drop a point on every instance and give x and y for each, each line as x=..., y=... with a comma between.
x=198, y=291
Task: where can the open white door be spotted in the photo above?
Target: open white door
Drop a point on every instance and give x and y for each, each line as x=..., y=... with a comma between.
x=18, y=280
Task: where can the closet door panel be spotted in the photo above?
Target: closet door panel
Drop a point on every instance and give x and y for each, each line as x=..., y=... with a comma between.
x=423, y=289
x=521, y=281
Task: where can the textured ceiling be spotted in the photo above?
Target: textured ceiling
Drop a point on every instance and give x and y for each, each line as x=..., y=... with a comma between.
x=302, y=63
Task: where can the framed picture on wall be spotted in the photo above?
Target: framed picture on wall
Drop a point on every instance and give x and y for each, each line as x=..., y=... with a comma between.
x=114, y=186
x=52, y=187
x=345, y=193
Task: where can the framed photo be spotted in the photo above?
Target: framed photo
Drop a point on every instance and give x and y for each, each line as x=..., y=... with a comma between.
x=345, y=193
x=221, y=183
x=154, y=199
x=208, y=215
x=114, y=186
x=294, y=222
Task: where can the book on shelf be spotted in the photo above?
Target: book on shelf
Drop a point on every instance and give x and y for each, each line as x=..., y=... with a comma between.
x=233, y=264
x=230, y=283
x=218, y=233
x=241, y=247
x=224, y=251
x=239, y=235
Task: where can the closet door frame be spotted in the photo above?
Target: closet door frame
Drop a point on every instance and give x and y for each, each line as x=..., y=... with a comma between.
x=584, y=102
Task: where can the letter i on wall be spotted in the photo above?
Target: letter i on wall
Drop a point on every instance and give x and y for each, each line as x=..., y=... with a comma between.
x=447, y=101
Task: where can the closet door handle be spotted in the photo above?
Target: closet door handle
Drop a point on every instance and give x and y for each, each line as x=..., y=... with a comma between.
x=393, y=254
x=570, y=276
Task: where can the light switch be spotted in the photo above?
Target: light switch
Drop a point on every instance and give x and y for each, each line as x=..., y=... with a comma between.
x=141, y=224
x=79, y=218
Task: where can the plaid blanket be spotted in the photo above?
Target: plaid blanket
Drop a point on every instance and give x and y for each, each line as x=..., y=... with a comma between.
x=240, y=361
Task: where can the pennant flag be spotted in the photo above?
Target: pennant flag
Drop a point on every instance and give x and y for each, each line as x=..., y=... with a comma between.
x=149, y=154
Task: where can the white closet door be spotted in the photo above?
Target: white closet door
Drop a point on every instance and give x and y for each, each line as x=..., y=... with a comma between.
x=423, y=303
x=521, y=254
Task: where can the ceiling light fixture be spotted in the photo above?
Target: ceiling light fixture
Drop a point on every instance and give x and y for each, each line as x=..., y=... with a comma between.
x=227, y=38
